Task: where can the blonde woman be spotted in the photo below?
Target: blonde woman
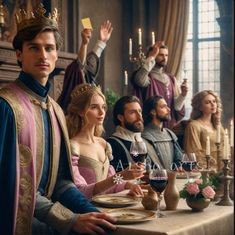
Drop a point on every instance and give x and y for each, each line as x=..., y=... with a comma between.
x=91, y=153
x=205, y=119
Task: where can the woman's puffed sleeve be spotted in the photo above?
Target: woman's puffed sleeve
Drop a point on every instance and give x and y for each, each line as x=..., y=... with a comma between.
x=79, y=180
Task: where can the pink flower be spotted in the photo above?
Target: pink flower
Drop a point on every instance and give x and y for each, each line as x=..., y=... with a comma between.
x=198, y=181
x=192, y=188
x=208, y=192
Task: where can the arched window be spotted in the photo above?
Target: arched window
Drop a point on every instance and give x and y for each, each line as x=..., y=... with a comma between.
x=202, y=54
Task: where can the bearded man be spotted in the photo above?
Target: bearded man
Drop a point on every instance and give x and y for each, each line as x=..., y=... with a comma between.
x=127, y=117
x=150, y=79
x=161, y=142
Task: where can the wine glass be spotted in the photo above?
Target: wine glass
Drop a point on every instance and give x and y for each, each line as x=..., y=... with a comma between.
x=138, y=152
x=189, y=163
x=158, y=180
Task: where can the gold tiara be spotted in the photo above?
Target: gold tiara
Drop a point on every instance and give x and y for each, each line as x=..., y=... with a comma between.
x=83, y=88
x=36, y=18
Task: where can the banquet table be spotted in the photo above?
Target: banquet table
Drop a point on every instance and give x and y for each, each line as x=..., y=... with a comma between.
x=214, y=220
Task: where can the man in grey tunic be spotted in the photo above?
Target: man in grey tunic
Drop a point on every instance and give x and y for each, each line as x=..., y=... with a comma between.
x=162, y=142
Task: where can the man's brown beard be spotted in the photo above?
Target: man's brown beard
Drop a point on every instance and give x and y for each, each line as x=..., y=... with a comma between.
x=159, y=64
x=164, y=119
x=132, y=127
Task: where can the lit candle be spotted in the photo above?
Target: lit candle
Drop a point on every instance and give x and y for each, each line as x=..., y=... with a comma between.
x=2, y=15
x=208, y=146
x=130, y=46
x=153, y=38
x=226, y=144
x=231, y=133
x=126, y=78
x=140, y=37
x=218, y=134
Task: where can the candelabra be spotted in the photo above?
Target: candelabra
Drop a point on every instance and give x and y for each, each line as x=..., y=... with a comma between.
x=232, y=159
x=225, y=200
x=206, y=171
x=208, y=162
x=141, y=57
x=219, y=157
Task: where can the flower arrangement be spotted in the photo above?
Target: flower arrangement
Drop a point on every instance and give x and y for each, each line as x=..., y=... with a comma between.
x=198, y=189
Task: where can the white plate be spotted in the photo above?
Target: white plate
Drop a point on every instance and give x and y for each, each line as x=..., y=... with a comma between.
x=129, y=216
x=114, y=201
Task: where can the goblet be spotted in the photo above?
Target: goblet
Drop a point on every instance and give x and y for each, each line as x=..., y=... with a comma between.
x=138, y=152
x=158, y=180
x=189, y=163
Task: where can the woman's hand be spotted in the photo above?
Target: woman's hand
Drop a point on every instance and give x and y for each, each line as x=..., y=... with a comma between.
x=134, y=172
x=135, y=190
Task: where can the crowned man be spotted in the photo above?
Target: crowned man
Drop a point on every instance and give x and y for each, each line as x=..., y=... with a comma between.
x=36, y=184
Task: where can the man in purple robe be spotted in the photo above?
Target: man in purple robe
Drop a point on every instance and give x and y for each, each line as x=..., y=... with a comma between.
x=150, y=80
x=85, y=68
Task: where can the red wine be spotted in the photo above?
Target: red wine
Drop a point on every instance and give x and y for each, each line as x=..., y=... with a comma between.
x=189, y=166
x=158, y=185
x=138, y=157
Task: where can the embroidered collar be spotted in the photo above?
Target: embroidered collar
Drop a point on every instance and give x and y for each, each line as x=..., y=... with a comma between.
x=34, y=85
x=160, y=75
x=38, y=93
x=126, y=134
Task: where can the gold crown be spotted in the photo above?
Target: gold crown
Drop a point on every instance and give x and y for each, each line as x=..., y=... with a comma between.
x=37, y=18
x=83, y=88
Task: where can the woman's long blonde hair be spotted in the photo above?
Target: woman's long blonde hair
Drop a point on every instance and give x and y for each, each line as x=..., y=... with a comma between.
x=80, y=100
x=197, y=103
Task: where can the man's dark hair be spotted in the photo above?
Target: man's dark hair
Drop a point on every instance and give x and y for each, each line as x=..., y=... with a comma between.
x=119, y=106
x=163, y=46
x=29, y=34
x=148, y=106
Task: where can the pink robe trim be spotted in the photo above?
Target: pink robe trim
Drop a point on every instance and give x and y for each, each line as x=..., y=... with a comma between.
x=27, y=137
x=85, y=179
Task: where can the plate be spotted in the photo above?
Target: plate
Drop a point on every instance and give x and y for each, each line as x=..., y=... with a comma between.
x=114, y=201
x=129, y=216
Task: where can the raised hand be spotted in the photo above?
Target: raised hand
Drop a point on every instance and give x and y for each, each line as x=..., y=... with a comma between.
x=105, y=31
x=94, y=223
x=154, y=52
x=86, y=36
x=184, y=87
